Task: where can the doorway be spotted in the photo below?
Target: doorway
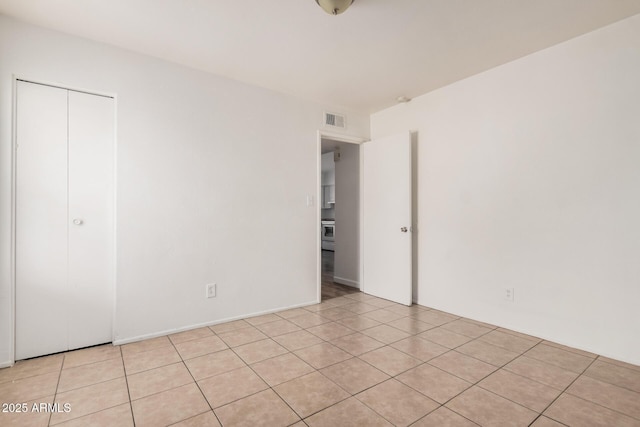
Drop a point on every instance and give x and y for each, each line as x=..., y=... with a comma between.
x=63, y=219
x=338, y=203
x=383, y=250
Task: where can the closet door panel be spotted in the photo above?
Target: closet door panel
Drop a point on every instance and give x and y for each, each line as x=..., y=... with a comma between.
x=41, y=220
x=91, y=177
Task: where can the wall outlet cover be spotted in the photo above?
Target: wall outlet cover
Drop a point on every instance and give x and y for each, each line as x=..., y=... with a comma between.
x=211, y=290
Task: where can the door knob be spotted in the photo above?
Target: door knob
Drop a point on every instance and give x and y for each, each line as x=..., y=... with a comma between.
x=404, y=229
x=77, y=221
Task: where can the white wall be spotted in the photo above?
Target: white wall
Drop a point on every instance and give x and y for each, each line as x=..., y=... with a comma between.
x=212, y=183
x=346, y=262
x=529, y=177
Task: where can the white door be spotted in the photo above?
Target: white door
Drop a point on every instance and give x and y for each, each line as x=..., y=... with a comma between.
x=91, y=136
x=64, y=172
x=41, y=220
x=386, y=217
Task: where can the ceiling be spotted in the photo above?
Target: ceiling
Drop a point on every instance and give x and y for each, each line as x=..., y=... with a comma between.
x=360, y=60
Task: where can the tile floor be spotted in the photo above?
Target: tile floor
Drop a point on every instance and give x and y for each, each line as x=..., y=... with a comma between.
x=352, y=360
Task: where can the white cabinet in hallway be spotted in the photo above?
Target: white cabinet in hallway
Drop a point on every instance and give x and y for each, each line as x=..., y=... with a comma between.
x=328, y=196
x=64, y=219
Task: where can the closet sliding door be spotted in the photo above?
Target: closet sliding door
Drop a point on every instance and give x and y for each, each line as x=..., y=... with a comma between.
x=64, y=219
x=90, y=218
x=41, y=220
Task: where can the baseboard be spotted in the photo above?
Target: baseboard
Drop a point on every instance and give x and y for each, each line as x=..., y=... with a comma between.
x=6, y=364
x=202, y=325
x=347, y=282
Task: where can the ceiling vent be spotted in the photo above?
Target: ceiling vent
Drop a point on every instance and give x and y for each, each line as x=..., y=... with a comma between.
x=335, y=120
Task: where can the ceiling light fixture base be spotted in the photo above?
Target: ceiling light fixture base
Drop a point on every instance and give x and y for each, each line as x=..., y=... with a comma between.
x=334, y=7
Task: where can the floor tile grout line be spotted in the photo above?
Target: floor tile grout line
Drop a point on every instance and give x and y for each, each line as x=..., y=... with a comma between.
x=390, y=345
x=182, y=361
x=510, y=400
x=193, y=339
x=484, y=361
x=89, y=414
x=196, y=383
x=532, y=379
x=546, y=416
x=12, y=380
x=269, y=385
x=519, y=354
x=55, y=393
x=340, y=348
x=407, y=370
x=564, y=391
x=315, y=370
x=354, y=395
x=473, y=384
x=541, y=343
x=568, y=349
x=128, y=355
x=415, y=421
x=126, y=381
x=376, y=412
x=476, y=383
x=497, y=368
x=92, y=384
x=606, y=381
x=551, y=365
x=518, y=334
x=79, y=388
x=448, y=409
x=523, y=354
x=633, y=368
x=538, y=343
x=637, y=418
x=464, y=335
x=466, y=355
x=162, y=366
x=91, y=363
x=502, y=367
x=189, y=418
x=318, y=411
x=251, y=394
x=94, y=412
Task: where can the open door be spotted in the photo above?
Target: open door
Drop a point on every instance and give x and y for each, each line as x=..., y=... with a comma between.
x=386, y=218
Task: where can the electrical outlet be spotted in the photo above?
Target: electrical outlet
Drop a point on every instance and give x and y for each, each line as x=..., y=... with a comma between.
x=211, y=290
x=508, y=294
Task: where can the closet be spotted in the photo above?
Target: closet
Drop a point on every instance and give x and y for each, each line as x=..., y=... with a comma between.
x=64, y=219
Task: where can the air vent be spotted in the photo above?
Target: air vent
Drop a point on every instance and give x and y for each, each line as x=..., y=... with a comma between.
x=335, y=120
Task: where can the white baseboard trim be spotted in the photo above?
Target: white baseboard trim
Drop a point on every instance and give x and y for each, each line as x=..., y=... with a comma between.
x=347, y=282
x=201, y=325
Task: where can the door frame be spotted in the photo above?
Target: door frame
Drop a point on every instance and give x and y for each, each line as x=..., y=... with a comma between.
x=323, y=134
x=14, y=190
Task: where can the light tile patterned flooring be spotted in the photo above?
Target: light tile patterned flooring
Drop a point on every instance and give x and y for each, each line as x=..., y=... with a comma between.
x=352, y=360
